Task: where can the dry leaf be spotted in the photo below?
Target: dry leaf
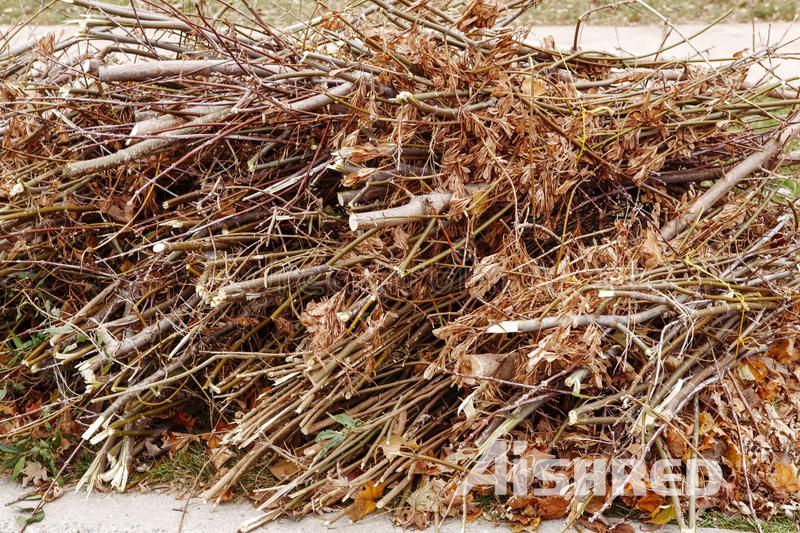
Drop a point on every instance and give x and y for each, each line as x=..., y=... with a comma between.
x=705, y=423
x=479, y=14
x=553, y=507
x=650, y=503
x=364, y=501
x=784, y=478
x=663, y=515
x=752, y=370
x=784, y=351
x=623, y=527
x=650, y=249
x=732, y=456
x=220, y=457
x=484, y=276
x=55, y=493
x=533, y=87
x=284, y=469
x=34, y=473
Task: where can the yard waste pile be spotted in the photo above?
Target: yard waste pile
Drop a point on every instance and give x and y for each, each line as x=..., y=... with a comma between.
x=357, y=252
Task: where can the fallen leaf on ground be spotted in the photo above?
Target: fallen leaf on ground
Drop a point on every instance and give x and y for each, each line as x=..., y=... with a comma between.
x=784, y=478
x=33, y=473
x=662, y=516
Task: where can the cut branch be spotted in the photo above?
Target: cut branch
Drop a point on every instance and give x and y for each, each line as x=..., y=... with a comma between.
x=748, y=166
x=169, y=69
x=418, y=208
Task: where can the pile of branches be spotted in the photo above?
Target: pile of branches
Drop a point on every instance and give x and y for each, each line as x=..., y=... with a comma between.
x=358, y=251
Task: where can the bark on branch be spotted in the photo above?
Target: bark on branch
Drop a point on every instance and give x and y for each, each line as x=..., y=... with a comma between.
x=177, y=68
x=418, y=208
x=165, y=140
x=735, y=175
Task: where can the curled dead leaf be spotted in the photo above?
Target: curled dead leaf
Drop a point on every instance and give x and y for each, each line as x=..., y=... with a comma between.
x=651, y=249
x=784, y=478
x=365, y=500
x=284, y=469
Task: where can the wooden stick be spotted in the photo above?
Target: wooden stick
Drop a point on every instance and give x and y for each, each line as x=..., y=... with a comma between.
x=418, y=208
x=177, y=68
x=735, y=175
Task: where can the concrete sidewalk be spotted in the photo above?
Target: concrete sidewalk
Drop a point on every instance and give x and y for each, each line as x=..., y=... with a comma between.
x=720, y=40
x=723, y=41
x=161, y=513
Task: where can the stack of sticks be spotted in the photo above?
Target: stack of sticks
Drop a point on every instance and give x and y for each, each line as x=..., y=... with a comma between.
x=360, y=250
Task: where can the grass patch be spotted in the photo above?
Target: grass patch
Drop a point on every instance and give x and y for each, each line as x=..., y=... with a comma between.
x=257, y=477
x=740, y=523
x=681, y=11
x=715, y=519
x=182, y=469
x=548, y=12
x=75, y=470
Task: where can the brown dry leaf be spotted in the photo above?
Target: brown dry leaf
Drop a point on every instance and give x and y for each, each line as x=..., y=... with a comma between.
x=364, y=501
x=479, y=14
x=34, y=473
x=484, y=276
x=596, y=527
x=531, y=524
x=117, y=213
x=395, y=444
x=55, y=493
x=752, y=370
x=425, y=499
x=732, y=456
x=212, y=441
x=784, y=351
x=553, y=507
x=220, y=457
x=663, y=515
x=284, y=469
x=705, y=422
x=784, y=478
x=595, y=504
x=542, y=508
x=676, y=442
x=623, y=527
x=319, y=318
x=650, y=503
x=359, y=176
x=533, y=87
x=283, y=325
x=651, y=250
x=47, y=44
